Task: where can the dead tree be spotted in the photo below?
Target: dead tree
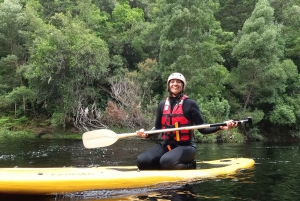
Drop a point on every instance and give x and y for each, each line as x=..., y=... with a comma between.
x=87, y=119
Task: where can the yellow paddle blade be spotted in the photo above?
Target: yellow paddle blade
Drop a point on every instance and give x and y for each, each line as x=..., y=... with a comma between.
x=99, y=138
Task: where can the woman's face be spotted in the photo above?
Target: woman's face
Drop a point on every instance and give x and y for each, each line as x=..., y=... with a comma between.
x=175, y=87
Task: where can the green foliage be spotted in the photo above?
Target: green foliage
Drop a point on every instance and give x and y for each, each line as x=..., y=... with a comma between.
x=12, y=20
x=19, y=122
x=12, y=54
x=232, y=136
x=59, y=57
x=289, y=14
x=256, y=115
x=66, y=59
x=214, y=110
x=256, y=135
x=189, y=28
x=261, y=76
x=209, y=82
x=233, y=13
x=92, y=15
x=8, y=76
x=125, y=38
x=106, y=5
x=20, y=94
x=5, y=122
x=283, y=114
x=57, y=119
x=13, y=123
x=205, y=138
x=124, y=16
x=4, y=133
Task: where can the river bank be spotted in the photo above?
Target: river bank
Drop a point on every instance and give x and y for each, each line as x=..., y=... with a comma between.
x=5, y=133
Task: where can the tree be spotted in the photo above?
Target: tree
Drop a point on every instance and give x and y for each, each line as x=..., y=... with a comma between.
x=127, y=24
x=262, y=77
x=66, y=61
x=287, y=14
x=13, y=54
x=233, y=13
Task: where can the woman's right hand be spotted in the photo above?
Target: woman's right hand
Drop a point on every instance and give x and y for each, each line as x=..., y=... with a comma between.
x=142, y=133
x=230, y=124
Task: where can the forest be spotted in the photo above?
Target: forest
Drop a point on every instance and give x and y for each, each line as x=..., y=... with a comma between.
x=84, y=65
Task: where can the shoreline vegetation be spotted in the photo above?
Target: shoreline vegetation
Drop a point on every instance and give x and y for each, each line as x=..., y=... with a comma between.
x=6, y=133
x=42, y=127
x=225, y=136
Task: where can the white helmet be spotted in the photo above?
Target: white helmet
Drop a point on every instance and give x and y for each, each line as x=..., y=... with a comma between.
x=178, y=76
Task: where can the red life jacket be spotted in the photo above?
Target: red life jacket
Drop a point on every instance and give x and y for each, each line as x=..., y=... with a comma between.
x=169, y=119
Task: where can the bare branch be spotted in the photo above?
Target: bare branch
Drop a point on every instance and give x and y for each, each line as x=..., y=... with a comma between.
x=87, y=120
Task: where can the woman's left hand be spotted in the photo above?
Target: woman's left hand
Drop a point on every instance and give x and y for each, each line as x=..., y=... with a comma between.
x=230, y=124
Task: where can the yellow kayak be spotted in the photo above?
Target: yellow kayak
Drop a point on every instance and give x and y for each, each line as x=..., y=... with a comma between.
x=45, y=181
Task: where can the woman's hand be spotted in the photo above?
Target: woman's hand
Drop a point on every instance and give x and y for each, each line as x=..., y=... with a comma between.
x=230, y=124
x=142, y=133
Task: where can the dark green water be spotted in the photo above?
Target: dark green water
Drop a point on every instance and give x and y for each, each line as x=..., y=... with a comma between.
x=275, y=176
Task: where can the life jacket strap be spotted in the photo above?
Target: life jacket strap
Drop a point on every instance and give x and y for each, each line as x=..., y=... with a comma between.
x=177, y=137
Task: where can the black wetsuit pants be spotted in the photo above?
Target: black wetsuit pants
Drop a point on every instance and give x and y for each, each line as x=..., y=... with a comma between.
x=159, y=157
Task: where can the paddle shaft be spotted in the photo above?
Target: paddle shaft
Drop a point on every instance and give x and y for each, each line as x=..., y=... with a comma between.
x=105, y=137
x=123, y=135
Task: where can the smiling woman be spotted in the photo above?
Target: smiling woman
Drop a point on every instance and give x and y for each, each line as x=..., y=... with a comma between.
x=175, y=87
x=176, y=84
x=178, y=150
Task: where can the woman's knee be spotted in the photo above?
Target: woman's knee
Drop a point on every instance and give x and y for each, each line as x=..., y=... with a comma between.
x=142, y=161
x=167, y=163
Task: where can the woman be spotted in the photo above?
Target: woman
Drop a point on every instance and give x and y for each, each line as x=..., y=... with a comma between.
x=178, y=150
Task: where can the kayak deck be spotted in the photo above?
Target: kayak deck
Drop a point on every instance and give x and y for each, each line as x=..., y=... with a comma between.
x=45, y=181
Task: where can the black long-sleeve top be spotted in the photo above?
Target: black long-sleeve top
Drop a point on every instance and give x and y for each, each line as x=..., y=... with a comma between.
x=191, y=111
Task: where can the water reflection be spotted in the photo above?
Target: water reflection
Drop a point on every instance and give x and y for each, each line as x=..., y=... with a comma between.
x=63, y=153
x=176, y=193
x=275, y=176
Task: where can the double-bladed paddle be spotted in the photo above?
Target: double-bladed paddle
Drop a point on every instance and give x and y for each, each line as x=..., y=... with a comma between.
x=105, y=137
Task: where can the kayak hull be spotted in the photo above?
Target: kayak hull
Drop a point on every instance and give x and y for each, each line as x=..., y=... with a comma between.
x=45, y=181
